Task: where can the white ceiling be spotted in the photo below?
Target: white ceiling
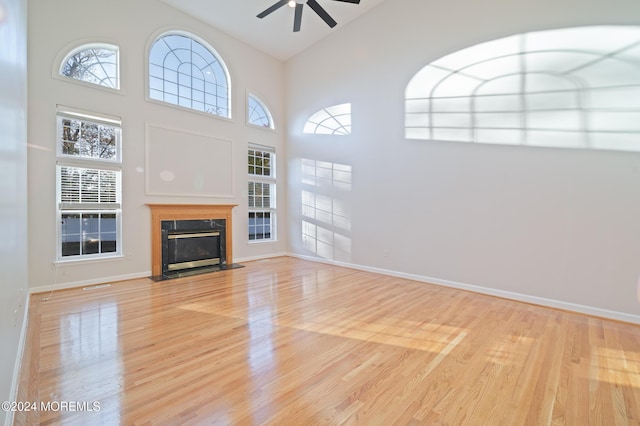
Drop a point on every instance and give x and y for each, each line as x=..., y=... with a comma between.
x=274, y=33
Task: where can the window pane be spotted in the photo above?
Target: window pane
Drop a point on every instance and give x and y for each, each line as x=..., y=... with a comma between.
x=88, y=139
x=259, y=225
x=259, y=163
x=258, y=113
x=108, y=233
x=185, y=65
x=88, y=185
x=93, y=65
x=259, y=195
x=108, y=243
x=70, y=234
x=88, y=233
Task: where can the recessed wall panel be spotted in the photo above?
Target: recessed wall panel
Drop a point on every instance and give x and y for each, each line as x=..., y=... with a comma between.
x=182, y=163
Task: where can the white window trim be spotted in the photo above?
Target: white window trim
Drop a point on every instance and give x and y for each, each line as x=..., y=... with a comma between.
x=165, y=32
x=258, y=99
x=64, y=160
x=272, y=181
x=75, y=46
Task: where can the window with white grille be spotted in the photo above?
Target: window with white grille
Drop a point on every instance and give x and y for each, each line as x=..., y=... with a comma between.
x=261, y=190
x=96, y=64
x=186, y=72
x=88, y=178
x=257, y=113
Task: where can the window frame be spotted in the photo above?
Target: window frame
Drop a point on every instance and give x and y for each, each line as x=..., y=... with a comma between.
x=262, y=179
x=251, y=97
x=63, y=56
x=83, y=207
x=211, y=50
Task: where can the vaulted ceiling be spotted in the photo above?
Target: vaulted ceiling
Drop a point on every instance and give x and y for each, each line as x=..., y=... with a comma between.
x=273, y=34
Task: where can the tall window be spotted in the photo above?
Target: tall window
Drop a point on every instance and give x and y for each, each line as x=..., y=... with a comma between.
x=88, y=177
x=262, y=193
x=185, y=72
x=573, y=87
x=96, y=64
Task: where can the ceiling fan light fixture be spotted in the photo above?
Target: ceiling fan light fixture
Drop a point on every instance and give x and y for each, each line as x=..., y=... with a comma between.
x=299, y=4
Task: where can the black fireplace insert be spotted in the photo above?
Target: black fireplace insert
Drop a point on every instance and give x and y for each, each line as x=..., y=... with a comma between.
x=193, y=246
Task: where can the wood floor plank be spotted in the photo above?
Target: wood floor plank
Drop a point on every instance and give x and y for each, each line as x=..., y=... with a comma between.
x=290, y=342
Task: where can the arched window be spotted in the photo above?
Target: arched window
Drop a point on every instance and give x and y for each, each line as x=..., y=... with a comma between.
x=257, y=113
x=333, y=120
x=94, y=63
x=186, y=72
x=576, y=87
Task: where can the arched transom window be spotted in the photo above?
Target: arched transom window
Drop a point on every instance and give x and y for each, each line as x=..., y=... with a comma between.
x=257, y=113
x=184, y=71
x=93, y=63
x=575, y=87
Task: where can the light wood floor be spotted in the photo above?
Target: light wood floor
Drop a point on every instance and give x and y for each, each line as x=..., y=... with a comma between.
x=290, y=342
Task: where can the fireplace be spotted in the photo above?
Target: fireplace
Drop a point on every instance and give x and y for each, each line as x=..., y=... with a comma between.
x=192, y=245
x=189, y=239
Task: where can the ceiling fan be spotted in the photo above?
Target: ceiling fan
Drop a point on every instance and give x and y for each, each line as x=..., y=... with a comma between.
x=298, y=4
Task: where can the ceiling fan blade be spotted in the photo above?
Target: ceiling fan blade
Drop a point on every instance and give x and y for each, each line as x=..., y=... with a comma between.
x=271, y=9
x=350, y=1
x=297, y=19
x=322, y=13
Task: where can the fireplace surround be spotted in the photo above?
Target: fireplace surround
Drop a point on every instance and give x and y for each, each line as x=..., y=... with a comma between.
x=190, y=238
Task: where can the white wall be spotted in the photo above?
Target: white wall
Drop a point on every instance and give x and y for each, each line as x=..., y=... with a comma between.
x=56, y=27
x=554, y=224
x=13, y=186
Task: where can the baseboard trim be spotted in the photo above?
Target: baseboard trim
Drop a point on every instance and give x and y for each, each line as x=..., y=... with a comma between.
x=534, y=300
x=261, y=257
x=17, y=368
x=84, y=283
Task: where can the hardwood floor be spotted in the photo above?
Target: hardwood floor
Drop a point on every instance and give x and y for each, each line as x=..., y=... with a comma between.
x=290, y=342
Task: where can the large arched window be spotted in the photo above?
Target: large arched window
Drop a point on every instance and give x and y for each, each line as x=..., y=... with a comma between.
x=186, y=72
x=93, y=63
x=575, y=87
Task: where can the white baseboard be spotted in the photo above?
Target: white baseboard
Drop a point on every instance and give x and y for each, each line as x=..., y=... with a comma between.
x=84, y=283
x=17, y=368
x=534, y=300
x=261, y=257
